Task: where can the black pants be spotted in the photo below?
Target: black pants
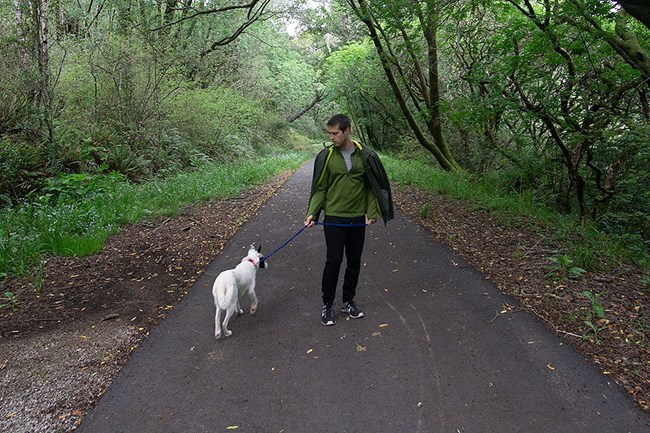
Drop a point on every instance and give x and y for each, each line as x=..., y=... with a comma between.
x=340, y=239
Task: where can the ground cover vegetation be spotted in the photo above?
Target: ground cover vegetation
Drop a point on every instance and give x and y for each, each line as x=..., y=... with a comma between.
x=535, y=111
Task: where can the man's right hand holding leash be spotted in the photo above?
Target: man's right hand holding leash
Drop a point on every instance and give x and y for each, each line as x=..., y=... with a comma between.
x=309, y=222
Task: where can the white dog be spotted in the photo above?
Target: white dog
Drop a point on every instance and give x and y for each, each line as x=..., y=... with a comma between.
x=230, y=285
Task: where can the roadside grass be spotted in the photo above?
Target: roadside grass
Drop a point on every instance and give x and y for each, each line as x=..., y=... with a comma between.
x=585, y=245
x=79, y=212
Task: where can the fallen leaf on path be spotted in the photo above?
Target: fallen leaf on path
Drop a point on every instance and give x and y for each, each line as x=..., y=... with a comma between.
x=550, y=367
x=310, y=350
x=232, y=427
x=383, y=325
x=360, y=348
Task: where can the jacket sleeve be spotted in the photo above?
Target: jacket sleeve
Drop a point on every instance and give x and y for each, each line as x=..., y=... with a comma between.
x=381, y=187
x=372, y=206
x=318, y=189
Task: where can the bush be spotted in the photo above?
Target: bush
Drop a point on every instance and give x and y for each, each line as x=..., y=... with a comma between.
x=219, y=122
x=77, y=212
x=21, y=169
x=628, y=211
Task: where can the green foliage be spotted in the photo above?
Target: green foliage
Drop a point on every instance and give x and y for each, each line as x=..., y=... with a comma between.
x=356, y=85
x=74, y=187
x=481, y=195
x=588, y=248
x=424, y=211
x=279, y=75
x=628, y=209
x=220, y=122
x=16, y=113
x=112, y=115
x=10, y=301
x=21, y=169
x=79, y=211
x=522, y=102
x=594, y=316
x=563, y=267
x=545, y=108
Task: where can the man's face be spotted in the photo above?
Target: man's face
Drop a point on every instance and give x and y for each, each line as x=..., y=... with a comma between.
x=338, y=137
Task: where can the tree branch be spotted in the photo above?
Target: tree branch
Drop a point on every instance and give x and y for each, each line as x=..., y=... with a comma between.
x=248, y=6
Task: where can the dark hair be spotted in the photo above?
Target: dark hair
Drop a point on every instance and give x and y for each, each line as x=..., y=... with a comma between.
x=340, y=120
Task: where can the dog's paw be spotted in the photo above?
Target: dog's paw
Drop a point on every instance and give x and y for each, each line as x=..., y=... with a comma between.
x=228, y=333
x=240, y=312
x=217, y=336
x=253, y=310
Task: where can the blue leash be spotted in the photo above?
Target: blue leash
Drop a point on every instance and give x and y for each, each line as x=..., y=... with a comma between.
x=303, y=229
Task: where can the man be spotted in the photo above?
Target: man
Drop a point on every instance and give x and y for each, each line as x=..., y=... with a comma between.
x=351, y=186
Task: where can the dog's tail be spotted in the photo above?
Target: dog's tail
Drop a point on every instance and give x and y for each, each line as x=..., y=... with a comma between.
x=228, y=293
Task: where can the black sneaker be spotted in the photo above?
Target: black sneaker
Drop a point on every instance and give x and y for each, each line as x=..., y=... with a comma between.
x=352, y=309
x=327, y=316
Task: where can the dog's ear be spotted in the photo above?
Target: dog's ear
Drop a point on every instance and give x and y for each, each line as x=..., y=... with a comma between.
x=259, y=250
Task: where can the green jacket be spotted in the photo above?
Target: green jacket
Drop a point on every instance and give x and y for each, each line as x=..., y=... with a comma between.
x=379, y=197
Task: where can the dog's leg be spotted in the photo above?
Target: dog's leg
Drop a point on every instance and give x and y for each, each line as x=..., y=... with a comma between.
x=239, y=309
x=253, y=301
x=229, y=313
x=217, y=323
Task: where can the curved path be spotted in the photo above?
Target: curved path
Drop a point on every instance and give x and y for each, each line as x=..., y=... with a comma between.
x=433, y=353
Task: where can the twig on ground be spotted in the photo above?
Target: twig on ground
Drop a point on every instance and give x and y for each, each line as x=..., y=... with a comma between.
x=162, y=224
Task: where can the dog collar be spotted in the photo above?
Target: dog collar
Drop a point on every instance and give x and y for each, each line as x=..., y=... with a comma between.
x=252, y=261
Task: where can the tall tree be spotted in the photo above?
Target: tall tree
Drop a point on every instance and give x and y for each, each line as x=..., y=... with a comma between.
x=33, y=45
x=398, y=29
x=23, y=54
x=553, y=88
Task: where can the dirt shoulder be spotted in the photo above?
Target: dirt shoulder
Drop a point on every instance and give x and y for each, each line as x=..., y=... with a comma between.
x=68, y=339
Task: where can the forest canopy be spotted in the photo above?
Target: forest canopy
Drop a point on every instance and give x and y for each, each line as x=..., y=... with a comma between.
x=538, y=97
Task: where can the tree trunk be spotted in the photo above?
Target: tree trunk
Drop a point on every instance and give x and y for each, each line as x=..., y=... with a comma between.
x=639, y=9
x=23, y=55
x=43, y=95
x=435, y=143
x=435, y=121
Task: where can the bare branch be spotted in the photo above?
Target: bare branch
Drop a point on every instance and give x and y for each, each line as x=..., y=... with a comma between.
x=252, y=12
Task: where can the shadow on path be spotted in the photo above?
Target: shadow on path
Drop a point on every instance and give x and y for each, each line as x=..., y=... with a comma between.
x=431, y=355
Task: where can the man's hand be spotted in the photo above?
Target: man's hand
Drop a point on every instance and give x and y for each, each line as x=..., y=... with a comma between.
x=309, y=222
x=369, y=221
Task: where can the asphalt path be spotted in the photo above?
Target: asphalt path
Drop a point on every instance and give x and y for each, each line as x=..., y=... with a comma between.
x=434, y=353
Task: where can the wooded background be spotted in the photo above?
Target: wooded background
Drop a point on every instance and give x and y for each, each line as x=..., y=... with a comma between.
x=545, y=98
